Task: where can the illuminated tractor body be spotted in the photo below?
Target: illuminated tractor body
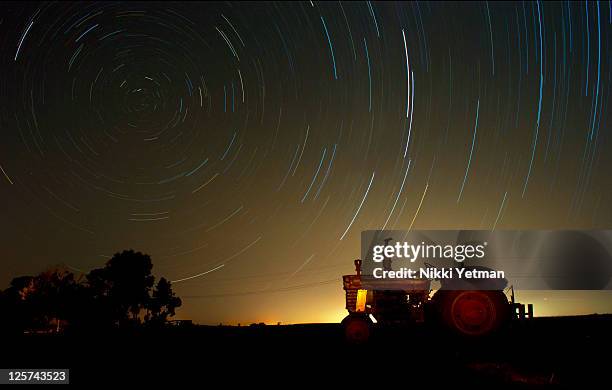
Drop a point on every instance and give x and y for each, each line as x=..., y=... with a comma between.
x=469, y=313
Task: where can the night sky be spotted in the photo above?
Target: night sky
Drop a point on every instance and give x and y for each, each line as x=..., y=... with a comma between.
x=246, y=146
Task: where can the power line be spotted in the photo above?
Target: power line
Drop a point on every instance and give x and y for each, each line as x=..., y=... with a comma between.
x=267, y=291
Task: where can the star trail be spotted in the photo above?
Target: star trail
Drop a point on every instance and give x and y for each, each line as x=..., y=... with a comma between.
x=246, y=146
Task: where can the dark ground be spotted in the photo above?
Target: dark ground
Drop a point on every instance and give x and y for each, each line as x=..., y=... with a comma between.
x=563, y=350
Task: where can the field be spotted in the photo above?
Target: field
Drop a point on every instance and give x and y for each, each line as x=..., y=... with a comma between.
x=559, y=350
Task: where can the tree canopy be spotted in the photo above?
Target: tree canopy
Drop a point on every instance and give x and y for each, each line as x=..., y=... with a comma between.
x=121, y=294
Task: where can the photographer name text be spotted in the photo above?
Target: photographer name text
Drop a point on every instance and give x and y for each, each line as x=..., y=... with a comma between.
x=437, y=273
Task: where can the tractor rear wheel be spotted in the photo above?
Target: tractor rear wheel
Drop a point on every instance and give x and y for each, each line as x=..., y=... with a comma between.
x=357, y=328
x=473, y=313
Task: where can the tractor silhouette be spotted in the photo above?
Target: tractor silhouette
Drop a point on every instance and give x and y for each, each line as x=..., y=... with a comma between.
x=464, y=312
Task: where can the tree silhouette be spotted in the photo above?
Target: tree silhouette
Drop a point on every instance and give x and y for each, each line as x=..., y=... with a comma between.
x=123, y=285
x=13, y=301
x=163, y=303
x=119, y=295
x=53, y=294
x=37, y=301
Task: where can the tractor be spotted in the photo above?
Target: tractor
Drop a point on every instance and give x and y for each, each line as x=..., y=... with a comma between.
x=464, y=312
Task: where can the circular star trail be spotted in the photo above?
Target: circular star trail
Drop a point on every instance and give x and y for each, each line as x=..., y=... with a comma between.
x=246, y=146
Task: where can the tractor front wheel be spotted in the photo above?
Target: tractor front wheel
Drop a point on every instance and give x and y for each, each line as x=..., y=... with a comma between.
x=357, y=328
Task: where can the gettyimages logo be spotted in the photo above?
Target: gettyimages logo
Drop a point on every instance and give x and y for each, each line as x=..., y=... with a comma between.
x=411, y=252
x=486, y=260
